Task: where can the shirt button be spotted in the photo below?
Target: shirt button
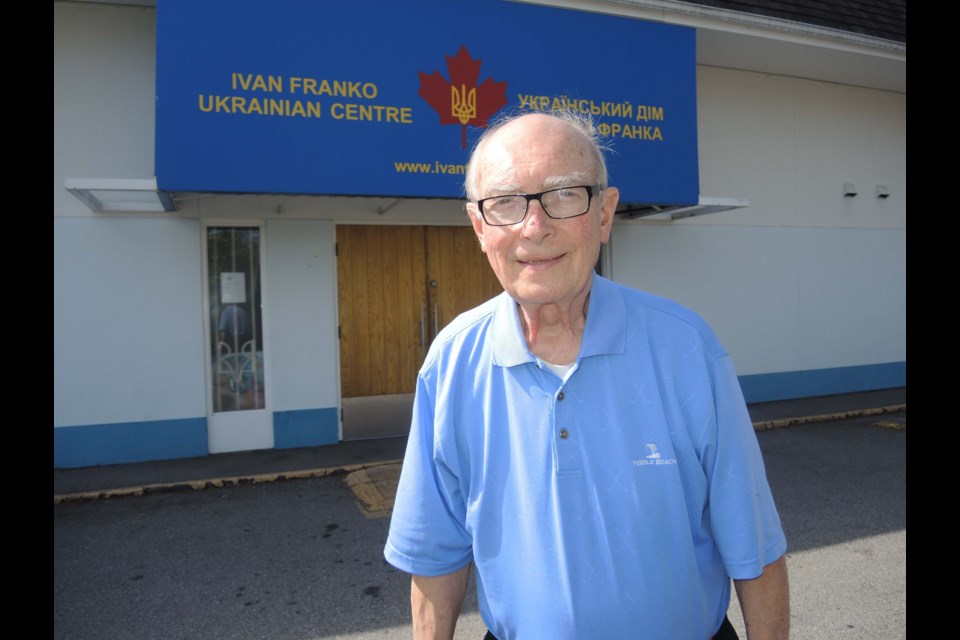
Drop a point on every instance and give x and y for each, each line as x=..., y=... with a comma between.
x=560, y=396
x=564, y=434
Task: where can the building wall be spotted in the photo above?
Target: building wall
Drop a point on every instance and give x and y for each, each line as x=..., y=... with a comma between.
x=806, y=288
x=804, y=283
x=300, y=300
x=129, y=343
x=128, y=339
x=128, y=380
x=103, y=96
x=803, y=311
x=789, y=144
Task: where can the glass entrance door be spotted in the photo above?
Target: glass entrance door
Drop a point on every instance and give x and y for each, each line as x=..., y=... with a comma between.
x=233, y=262
x=237, y=384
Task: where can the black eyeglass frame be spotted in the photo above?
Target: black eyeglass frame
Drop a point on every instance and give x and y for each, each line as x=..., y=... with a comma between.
x=537, y=196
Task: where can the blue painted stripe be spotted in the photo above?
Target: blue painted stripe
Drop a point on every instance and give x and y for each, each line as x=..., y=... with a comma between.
x=305, y=428
x=765, y=387
x=95, y=444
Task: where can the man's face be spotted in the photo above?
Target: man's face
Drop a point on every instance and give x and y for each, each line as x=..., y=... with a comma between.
x=542, y=260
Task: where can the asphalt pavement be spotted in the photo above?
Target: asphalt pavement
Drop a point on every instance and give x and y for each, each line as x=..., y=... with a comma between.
x=288, y=544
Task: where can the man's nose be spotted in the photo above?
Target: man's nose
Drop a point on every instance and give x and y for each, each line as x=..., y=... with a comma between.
x=537, y=223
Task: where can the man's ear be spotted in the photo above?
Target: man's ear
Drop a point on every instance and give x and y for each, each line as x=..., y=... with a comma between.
x=477, y=222
x=608, y=207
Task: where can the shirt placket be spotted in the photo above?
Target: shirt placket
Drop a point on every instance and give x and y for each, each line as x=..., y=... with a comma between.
x=565, y=426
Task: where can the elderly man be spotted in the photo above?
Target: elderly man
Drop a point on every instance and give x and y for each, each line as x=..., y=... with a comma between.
x=585, y=445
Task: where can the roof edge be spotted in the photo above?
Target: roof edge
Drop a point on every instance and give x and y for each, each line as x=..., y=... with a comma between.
x=692, y=14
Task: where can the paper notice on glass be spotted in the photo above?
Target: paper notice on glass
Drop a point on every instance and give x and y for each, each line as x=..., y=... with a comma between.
x=233, y=288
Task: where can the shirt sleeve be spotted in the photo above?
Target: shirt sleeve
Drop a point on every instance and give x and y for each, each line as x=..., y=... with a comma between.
x=427, y=533
x=743, y=516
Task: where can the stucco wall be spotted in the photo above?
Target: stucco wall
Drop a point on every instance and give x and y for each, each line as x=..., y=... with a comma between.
x=128, y=326
x=103, y=96
x=300, y=296
x=804, y=278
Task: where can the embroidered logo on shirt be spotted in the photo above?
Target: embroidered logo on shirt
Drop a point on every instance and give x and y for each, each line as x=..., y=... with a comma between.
x=653, y=458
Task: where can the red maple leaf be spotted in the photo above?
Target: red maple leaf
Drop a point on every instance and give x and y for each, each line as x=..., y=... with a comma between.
x=461, y=101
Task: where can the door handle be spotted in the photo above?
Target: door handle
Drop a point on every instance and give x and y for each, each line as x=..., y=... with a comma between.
x=436, y=329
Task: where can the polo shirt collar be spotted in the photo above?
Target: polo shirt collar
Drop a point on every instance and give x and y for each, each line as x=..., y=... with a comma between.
x=605, y=332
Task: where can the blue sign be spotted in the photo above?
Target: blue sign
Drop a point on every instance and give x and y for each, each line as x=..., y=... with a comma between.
x=386, y=99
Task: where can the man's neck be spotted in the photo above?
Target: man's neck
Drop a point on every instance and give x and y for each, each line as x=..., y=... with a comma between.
x=554, y=332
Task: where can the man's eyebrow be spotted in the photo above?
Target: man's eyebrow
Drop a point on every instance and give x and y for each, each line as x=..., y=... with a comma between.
x=569, y=180
x=552, y=182
x=503, y=189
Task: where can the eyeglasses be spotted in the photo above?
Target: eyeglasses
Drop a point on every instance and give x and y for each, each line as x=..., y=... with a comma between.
x=567, y=202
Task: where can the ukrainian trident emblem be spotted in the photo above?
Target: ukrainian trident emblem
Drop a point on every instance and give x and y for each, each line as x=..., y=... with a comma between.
x=461, y=101
x=463, y=104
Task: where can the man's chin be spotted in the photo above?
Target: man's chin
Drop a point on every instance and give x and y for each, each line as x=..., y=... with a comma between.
x=538, y=294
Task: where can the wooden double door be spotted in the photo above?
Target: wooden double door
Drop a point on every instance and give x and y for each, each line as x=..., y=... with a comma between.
x=397, y=287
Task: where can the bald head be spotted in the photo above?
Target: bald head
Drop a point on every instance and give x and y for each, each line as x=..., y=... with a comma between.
x=536, y=162
x=488, y=165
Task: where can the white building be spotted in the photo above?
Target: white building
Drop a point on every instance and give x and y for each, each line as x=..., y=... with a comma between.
x=801, y=132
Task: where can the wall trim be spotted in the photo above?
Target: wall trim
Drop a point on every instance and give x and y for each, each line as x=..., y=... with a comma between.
x=305, y=428
x=115, y=443
x=767, y=387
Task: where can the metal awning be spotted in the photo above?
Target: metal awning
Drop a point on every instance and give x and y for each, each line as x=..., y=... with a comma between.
x=676, y=212
x=119, y=194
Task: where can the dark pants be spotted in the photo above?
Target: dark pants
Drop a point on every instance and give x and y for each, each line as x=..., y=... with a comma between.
x=725, y=632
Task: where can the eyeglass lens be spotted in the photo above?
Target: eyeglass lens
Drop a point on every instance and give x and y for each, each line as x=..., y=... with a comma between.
x=567, y=202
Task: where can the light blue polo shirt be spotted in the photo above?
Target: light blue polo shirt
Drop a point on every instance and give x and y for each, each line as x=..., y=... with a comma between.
x=615, y=503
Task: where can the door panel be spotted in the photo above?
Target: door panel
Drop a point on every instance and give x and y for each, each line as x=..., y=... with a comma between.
x=411, y=296
x=459, y=276
x=381, y=298
x=397, y=287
